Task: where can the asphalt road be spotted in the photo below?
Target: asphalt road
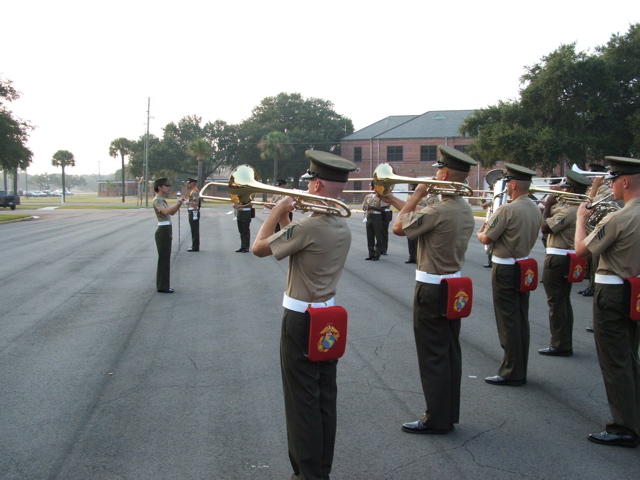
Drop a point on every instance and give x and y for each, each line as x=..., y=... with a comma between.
x=103, y=378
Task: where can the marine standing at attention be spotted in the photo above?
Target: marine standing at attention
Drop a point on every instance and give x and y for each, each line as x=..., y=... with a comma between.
x=443, y=230
x=513, y=229
x=194, y=214
x=617, y=240
x=374, y=208
x=244, y=214
x=317, y=248
x=164, y=233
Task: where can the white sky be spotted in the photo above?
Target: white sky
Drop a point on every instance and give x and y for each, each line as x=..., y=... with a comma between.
x=85, y=71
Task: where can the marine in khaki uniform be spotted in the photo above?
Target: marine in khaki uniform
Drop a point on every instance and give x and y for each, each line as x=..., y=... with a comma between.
x=194, y=214
x=559, y=223
x=597, y=191
x=443, y=230
x=163, y=233
x=317, y=248
x=244, y=214
x=374, y=207
x=513, y=229
x=617, y=240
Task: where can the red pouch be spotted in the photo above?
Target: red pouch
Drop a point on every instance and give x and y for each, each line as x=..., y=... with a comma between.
x=577, y=268
x=632, y=296
x=456, y=297
x=526, y=275
x=327, y=333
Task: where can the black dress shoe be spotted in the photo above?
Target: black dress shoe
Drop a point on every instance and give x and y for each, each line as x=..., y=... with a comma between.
x=589, y=329
x=617, y=439
x=240, y=250
x=411, y=260
x=419, y=427
x=554, y=352
x=193, y=250
x=498, y=380
x=166, y=290
x=588, y=293
x=245, y=250
x=375, y=259
x=487, y=265
x=383, y=253
x=369, y=258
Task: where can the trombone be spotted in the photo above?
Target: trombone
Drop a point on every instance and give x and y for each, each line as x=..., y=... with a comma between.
x=569, y=198
x=385, y=178
x=587, y=173
x=243, y=185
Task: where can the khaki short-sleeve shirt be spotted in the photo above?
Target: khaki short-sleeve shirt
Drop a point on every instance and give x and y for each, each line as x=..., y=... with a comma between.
x=563, y=227
x=443, y=230
x=617, y=240
x=194, y=199
x=317, y=247
x=514, y=228
x=159, y=203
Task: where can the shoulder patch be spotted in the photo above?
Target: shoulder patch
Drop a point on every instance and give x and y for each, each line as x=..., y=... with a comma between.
x=494, y=221
x=562, y=221
x=287, y=232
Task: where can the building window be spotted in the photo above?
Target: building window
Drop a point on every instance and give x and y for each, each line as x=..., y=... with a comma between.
x=428, y=153
x=394, y=154
x=461, y=148
x=357, y=154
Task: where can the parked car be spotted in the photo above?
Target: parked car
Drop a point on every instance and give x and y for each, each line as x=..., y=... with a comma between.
x=9, y=200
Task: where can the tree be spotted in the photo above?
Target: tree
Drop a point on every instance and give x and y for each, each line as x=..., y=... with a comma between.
x=573, y=106
x=275, y=146
x=14, y=134
x=63, y=158
x=308, y=123
x=121, y=146
x=200, y=149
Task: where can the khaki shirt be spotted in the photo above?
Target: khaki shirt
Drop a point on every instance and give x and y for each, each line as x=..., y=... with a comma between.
x=617, y=240
x=194, y=199
x=317, y=247
x=443, y=230
x=514, y=228
x=563, y=227
x=160, y=203
x=372, y=200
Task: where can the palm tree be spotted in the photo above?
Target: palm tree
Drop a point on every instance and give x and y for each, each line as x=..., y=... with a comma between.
x=121, y=146
x=200, y=149
x=276, y=146
x=63, y=158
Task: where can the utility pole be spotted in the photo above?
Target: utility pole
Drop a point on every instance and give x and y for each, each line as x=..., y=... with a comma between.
x=146, y=155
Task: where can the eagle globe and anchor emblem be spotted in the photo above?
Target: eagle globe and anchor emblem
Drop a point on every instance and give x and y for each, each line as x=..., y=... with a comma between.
x=638, y=304
x=577, y=271
x=460, y=301
x=328, y=338
x=529, y=277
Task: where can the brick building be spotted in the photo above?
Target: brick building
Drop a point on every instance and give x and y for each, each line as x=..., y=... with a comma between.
x=409, y=143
